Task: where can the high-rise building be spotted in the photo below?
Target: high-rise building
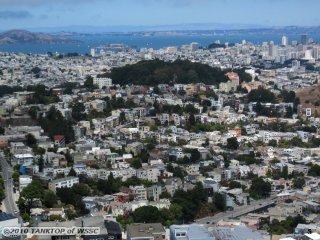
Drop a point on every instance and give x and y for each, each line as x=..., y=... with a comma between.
x=316, y=53
x=308, y=54
x=295, y=64
x=93, y=52
x=194, y=46
x=304, y=39
x=284, y=41
x=273, y=51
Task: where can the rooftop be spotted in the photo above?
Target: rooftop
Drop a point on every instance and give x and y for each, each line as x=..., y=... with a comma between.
x=145, y=229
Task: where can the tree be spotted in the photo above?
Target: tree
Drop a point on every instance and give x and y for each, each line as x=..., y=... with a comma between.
x=67, y=196
x=289, y=112
x=124, y=220
x=234, y=184
x=122, y=117
x=195, y=155
x=72, y=173
x=30, y=140
x=35, y=70
x=147, y=214
x=177, y=171
x=2, y=130
x=49, y=199
x=191, y=120
x=260, y=188
x=273, y=143
x=261, y=95
x=26, y=217
x=190, y=201
x=165, y=194
x=81, y=189
x=31, y=192
x=78, y=113
x=89, y=83
x=38, y=150
x=298, y=182
x=136, y=163
x=55, y=124
x=288, y=96
x=286, y=226
x=15, y=176
x=155, y=72
x=41, y=163
x=314, y=170
x=219, y=201
x=156, y=90
x=232, y=143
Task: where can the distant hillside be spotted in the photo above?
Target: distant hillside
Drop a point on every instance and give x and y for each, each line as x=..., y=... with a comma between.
x=309, y=96
x=156, y=72
x=22, y=36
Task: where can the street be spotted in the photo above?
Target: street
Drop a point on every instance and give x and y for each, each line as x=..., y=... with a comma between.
x=9, y=202
x=238, y=211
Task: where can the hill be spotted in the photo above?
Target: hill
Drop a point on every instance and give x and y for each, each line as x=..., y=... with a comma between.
x=309, y=96
x=151, y=73
x=22, y=36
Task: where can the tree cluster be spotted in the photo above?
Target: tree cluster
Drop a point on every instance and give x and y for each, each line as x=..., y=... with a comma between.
x=248, y=159
x=261, y=95
x=41, y=95
x=259, y=188
x=286, y=226
x=157, y=72
x=55, y=124
x=194, y=203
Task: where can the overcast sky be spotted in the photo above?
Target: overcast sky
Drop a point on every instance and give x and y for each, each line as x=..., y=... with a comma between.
x=20, y=14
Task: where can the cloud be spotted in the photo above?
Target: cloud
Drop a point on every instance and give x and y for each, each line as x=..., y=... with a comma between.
x=174, y=3
x=43, y=2
x=177, y=3
x=15, y=14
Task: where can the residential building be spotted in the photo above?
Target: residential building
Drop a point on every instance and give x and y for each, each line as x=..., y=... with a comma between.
x=67, y=182
x=190, y=232
x=102, y=82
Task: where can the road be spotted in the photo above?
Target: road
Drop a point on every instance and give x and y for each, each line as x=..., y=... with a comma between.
x=238, y=211
x=9, y=202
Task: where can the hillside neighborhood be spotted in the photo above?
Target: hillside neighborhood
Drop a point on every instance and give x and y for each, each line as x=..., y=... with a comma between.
x=177, y=143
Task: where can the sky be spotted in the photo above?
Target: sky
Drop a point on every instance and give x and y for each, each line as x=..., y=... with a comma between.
x=29, y=14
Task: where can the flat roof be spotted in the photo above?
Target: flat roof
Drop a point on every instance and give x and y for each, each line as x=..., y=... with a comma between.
x=144, y=229
x=193, y=231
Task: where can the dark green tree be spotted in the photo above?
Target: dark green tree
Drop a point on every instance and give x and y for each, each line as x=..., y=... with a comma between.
x=78, y=113
x=261, y=95
x=41, y=163
x=232, y=143
x=147, y=214
x=30, y=140
x=260, y=188
x=49, y=199
x=29, y=194
x=298, y=182
x=136, y=163
x=72, y=173
x=89, y=83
